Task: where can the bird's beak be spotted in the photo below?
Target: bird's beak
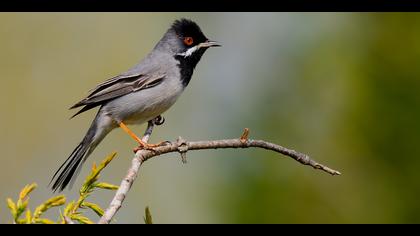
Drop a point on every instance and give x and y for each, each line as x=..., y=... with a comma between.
x=204, y=45
x=209, y=43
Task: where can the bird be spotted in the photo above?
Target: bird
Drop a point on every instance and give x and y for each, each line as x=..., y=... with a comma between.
x=139, y=95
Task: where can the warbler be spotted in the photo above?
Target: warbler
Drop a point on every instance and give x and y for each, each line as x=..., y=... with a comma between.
x=140, y=94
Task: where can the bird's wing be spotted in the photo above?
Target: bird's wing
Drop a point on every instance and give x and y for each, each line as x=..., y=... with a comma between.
x=117, y=87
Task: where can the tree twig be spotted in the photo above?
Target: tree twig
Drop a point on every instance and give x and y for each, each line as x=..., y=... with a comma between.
x=128, y=180
x=68, y=221
x=183, y=146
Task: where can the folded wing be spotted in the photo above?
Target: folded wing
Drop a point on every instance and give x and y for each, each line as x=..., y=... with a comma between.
x=116, y=87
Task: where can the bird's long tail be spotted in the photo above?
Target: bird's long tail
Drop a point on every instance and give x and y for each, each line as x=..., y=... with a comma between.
x=69, y=170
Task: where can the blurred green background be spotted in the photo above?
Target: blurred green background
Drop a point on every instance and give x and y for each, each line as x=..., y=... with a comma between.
x=341, y=87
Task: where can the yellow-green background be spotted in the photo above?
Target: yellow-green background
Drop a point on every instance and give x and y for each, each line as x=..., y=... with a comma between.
x=342, y=87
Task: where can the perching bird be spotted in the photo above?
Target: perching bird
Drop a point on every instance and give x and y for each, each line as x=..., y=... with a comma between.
x=139, y=95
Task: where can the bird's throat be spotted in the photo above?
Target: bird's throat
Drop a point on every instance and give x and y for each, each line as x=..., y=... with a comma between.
x=186, y=67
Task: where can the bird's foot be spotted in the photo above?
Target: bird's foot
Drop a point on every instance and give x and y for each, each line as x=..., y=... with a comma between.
x=149, y=146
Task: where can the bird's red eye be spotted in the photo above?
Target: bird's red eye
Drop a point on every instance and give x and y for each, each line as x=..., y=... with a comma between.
x=188, y=41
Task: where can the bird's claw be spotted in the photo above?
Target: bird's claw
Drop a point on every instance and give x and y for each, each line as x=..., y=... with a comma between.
x=150, y=147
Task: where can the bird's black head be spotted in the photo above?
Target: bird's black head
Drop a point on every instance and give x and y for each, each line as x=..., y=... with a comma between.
x=188, y=32
x=187, y=43
x=192, y=43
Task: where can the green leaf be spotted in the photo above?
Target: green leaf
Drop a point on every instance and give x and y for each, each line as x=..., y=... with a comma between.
x=18, y=208
x=26, y=190
x=21, y=207
x=44, y=221
x=148, y=218
x=12, y=207
x=20, y=221
x=52, y=202
x=94, y=175
x=28, y=217
x=105, y=162
x=69, y=208
x=96, y=208
x=106, y=186
x=81, y=219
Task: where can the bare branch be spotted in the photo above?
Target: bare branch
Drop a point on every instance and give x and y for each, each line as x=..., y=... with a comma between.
x=183, y=146
x=126, y=183
x=68, y=221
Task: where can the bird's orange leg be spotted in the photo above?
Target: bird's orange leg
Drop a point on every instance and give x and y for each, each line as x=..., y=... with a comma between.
x=143, y=145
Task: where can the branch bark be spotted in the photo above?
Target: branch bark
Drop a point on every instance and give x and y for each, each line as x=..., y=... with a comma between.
x=182, y=146
x=68, y=221
x=128, y=180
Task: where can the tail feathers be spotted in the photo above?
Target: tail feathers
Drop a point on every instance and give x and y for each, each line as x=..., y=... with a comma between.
x=68, y=171
x=86, y=108
x=70, y=167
